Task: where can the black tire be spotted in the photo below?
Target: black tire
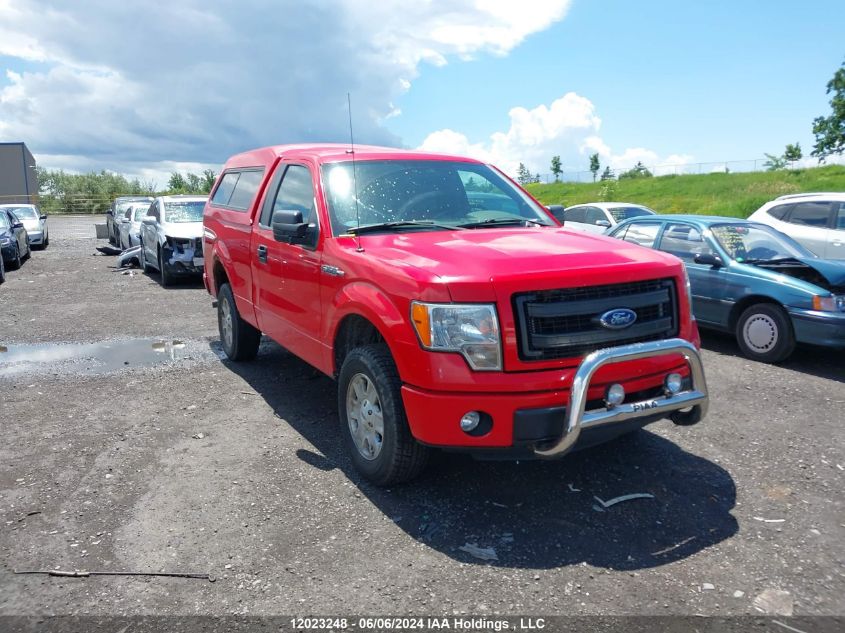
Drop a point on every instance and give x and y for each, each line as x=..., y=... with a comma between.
x=111, y=235
x=142, y=260
x=166, y=278
x=28, y=252
x=16, y=262
x=240, y=340
x=46, y=241
x=2, y=270
x=399, y=456
x=764, y=333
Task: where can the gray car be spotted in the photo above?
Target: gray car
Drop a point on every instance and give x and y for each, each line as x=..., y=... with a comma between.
x=34, y=222
x=171, y=237
x=129, y=225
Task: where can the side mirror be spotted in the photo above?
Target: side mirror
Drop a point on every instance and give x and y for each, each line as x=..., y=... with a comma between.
x=558, y=211
x=288, y=226
x=603, y=223
x=124, y=220
x=17, y=225
x=43, y=216
x=708, y=259
x=148, y=219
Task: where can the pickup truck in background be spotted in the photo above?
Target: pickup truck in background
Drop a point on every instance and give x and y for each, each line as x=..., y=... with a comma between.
x=451, y=308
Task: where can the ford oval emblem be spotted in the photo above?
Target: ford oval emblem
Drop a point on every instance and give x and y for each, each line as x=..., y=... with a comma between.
x=618, y=318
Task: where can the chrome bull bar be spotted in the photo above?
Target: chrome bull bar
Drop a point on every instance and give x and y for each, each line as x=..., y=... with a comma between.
x=577, y=418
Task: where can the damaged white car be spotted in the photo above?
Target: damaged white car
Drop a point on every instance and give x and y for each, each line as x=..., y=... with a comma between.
x=171, y=237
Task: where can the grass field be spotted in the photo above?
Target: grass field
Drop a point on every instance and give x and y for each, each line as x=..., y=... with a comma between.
x=737, y=195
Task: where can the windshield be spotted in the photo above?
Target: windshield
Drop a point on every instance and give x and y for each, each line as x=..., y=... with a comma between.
x=444, y=194
x=122, y=207
x=138, y=213
x=750, y=243
x=184, y=211
x=24, y=213
x=623, y=213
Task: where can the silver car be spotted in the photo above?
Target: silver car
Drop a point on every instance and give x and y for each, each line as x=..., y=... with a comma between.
x=129, y=225
x=171, y=237
x=34, y=222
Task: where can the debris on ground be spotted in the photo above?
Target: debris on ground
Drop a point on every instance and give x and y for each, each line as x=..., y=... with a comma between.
x=738, y=594
x=769, y=520
x=85, y=574
x=499, y=505
x=774, y=602
x=198, y=436
x=630, y=497
x=130, y=257
x=484, y=553
x=573, y=488
x=109, y=250
x=707, y=586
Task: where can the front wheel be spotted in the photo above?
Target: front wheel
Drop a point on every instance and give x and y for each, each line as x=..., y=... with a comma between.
x=16, y=262
x=142, y=260
x=764, y=333
x=166, y=277
x=240, y=340
x=373, y=418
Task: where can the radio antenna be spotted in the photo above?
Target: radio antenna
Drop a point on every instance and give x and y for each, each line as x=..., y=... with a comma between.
x=351, y=150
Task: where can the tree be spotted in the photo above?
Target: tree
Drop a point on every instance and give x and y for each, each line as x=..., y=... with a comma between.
x=607, y=174
x=774, y=162
x=637, y=171
x=556, y=168
x=177, y=182
x=208, y=178
x=523, y=176
x=536, y=177
x=793, y=153
x=595, y=165
x=830, y=130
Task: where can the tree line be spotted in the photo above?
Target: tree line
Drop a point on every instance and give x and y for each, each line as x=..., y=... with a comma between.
x=63, y=192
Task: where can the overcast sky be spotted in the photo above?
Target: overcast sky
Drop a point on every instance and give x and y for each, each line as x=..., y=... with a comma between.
x=144, y=88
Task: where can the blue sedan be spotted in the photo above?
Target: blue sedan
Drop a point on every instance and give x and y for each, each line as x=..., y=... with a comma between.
x=751, y=280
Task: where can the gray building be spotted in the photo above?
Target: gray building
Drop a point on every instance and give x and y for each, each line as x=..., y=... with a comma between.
x=18, y=180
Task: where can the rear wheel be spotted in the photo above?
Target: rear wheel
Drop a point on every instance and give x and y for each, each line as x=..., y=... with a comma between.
x=16, y=262
x=240, y=340
x=166, y=278
x=373, y=418
x=764, y=333
x=142, y=260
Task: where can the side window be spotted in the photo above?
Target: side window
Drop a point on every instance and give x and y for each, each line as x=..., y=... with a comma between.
x=840, y=217
x=684, y=241
x=245, y=189
x=296, y=193
x=153, y=210
x=594, y=215
x=642, y=233
x=816, y=214
x=224, y=190
x=779, y=211
x=577, y=214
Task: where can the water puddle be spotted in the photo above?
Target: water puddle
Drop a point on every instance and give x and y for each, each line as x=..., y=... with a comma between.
x=96, y=358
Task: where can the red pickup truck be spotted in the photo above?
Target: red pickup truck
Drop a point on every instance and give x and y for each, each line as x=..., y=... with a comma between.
x=452, y=309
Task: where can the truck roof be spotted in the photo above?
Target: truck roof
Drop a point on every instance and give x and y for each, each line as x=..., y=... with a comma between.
x=331, y=152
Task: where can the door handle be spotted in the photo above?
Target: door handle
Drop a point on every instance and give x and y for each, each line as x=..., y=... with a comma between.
x=262, y=254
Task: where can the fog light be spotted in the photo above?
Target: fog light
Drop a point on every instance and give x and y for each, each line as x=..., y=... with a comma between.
x=673, y=383
x=470, y=420
x=615, y=395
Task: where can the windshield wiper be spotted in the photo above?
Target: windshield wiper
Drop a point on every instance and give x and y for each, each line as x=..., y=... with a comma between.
x=778, y=260
x=500, y=222
x=400, y=224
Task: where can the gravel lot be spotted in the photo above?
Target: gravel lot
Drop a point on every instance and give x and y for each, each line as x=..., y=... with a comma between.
x=178, y=461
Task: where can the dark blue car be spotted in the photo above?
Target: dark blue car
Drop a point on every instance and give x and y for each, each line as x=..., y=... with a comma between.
x=751, y=280
x=14, y=242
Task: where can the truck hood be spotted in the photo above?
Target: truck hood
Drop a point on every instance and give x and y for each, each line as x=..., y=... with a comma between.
x=545, y=255
x=182, y=229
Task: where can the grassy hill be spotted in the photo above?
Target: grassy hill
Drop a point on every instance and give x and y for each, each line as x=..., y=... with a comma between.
x=737, y=195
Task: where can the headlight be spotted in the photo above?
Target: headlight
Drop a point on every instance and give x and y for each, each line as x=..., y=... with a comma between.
x=832, y=303
x=469, y=329
x=5, y=241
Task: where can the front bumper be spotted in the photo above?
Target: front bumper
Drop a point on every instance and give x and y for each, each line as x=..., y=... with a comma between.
x=35, y=237
x=183, y=260
x=548, y=424
x=8, y=251
x=818, y=328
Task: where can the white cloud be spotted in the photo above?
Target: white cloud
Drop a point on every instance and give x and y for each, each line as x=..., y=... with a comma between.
x=568, y=128
x=125, y=85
